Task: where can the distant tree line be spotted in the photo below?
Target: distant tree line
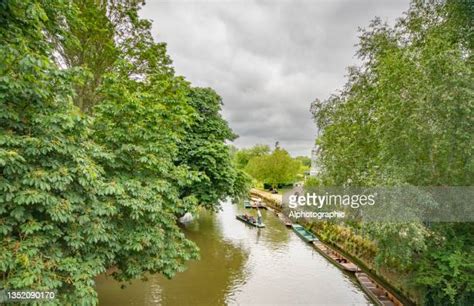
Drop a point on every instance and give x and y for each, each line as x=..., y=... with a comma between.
x=273, y=168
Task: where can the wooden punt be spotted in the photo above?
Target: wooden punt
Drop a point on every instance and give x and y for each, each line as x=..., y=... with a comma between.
x=284, y=219
x=377, y=293
x=251, y=222
x=258, y=203
x=247, y=204
x=335, y=257
x=304, y=234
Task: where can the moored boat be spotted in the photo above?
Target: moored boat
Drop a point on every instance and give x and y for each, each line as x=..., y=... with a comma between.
x=303, y=233
x=335, y=257
x=258, y=203
x=377, y=293
x=247, y=204
x=284, y=219
x=250, y=220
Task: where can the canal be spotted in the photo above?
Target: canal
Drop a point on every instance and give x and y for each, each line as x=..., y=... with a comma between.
x=242, y=265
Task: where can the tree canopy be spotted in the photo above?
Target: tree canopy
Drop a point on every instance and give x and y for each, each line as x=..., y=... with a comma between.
x=205, y=152
x=243, y=156
x=275, y=168
x=405, y=118
x=102, y=148
x=305, y=160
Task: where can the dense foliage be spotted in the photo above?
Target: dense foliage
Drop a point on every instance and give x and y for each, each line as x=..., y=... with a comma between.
x=53, y=220
x=405, y=118
x=272, y=168
x=305, y=161
x=243, y=156
x=275, y=168
x=95, y=131
x=204, y=151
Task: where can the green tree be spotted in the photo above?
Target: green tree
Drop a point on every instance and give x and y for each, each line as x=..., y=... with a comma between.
x=104, y=34
x=54, y=217
x=404, y=118
x=87, y=191
x=205, y=152
x=88, y=43
x=138, y=123
x=446, y=270
x=305, y=160
x=312, y=182
x=276, y=168
x=243, y=156
x=97, y=34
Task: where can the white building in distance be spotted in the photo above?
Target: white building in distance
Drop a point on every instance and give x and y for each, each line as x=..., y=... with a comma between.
x=314, y=170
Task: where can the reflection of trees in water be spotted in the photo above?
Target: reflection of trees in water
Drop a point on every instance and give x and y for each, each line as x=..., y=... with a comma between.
x=221, y=264
x=214, y=278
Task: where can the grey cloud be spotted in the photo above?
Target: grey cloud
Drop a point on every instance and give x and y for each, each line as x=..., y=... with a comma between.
x=267, y=59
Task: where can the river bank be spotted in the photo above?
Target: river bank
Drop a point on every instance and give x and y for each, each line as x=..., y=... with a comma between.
x=272, y=200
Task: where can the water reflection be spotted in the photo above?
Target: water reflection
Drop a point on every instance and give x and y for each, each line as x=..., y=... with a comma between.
x=242, y=265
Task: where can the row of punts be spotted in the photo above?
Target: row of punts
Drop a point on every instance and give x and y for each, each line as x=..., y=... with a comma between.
x=329, y=253
x=376, y=292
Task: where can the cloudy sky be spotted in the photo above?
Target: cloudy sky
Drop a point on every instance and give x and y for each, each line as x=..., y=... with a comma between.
x=267, y=59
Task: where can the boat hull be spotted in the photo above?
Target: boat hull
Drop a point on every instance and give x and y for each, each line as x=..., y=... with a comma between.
x=378, y=294
x=257, y=203
x=249, y=222
x=304, y=234
x=333, y=257
x=247, y=204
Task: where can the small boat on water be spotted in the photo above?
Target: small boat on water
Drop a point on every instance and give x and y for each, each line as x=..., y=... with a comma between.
x=257, y=203
x=247, y=204
x=377, y=293
x=334, y=257
x=250, y=220
x=303, y=233
x=284, y=219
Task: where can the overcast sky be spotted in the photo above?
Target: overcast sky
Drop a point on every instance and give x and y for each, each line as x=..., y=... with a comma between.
x=268, y=60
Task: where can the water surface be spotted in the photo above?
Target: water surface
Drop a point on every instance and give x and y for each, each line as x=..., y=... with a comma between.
x=242, y=265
